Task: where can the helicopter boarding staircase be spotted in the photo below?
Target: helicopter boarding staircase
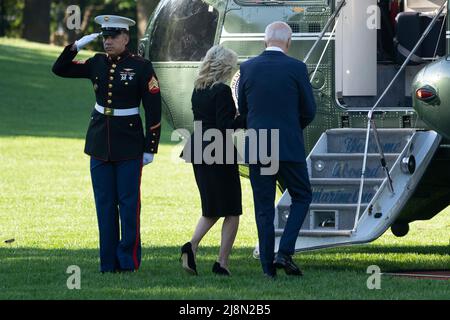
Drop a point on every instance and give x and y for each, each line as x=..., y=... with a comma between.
x=346, y=209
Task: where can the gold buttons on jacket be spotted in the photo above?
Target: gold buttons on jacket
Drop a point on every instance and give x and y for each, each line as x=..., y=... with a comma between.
x=110, y=85
x=111, y=78
x=109, y=94
x=114, y=65
x=109, y=101
x=112, y=71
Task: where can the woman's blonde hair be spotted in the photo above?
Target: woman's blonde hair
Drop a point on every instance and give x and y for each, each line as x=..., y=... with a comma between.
x=216, y=67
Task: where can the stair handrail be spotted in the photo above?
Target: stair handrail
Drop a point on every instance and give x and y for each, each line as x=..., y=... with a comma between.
x=371, y=121
x=324, y=30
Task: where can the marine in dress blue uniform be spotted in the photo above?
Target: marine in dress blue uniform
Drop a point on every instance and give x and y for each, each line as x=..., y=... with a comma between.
x=275, y=93
x=116, y=140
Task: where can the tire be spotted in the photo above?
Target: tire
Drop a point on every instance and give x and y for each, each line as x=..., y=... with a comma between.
x=400, y=229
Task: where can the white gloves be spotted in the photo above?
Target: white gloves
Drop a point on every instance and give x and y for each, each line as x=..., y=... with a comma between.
x=148, y=158
x=85, y=40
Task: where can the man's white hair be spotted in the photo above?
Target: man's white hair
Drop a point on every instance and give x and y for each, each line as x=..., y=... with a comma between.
x=278, y=31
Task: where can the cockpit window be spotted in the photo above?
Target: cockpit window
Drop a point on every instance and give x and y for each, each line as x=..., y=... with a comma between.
x=182, y=30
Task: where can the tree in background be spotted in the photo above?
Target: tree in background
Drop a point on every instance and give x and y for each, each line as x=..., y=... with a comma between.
x=46, y=20
x=2, y=18
x=11, y=16
x=61, y=33
x=145, y=9
x=36, y=20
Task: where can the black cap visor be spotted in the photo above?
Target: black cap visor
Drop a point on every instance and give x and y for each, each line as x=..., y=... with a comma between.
x=112, y=32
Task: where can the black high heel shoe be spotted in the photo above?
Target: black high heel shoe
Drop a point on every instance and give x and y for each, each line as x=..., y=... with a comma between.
x=217, y=269
x=188, y=259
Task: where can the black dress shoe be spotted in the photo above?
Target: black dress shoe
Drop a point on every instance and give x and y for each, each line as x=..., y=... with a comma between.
x=217, y=269
x=125, y=270
x=188, y=259
x=285, y=262
x=270, y=271
x=270, y=275
x=108, y=271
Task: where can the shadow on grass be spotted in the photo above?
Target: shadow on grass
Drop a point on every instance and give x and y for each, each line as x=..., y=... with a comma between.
x=443, y=250
x=242, y=261
x=29, y=273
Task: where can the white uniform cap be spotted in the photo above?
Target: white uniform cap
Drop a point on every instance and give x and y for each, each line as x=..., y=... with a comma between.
x=110, y=22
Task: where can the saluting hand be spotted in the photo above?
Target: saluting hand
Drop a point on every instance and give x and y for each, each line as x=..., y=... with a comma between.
x=147, y=158
x=85, y=40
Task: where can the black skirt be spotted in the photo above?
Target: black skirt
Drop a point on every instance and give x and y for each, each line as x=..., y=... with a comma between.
x=220, y=189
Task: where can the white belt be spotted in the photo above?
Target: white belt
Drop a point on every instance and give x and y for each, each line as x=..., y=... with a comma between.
x=116, y=112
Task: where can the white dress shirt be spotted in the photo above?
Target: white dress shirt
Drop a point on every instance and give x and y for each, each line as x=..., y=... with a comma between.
x=274, y=49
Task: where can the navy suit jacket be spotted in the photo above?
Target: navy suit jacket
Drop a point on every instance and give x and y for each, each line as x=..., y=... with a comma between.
x=275, y=93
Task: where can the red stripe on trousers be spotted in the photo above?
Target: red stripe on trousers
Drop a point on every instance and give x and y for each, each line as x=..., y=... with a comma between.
x=138, y=211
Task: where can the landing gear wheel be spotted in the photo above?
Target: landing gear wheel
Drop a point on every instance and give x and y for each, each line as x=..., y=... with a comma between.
x=400, y=229
x=256, y=253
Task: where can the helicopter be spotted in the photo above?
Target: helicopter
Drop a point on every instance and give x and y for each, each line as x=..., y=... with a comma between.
x=379, y=147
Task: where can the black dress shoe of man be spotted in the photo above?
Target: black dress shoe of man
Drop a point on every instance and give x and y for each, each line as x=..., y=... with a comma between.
x=108, y=271
x=270, y=275
x=270, y=272
x=217, y=269
x=285, y=262
x=125, y=270
x=188, y=259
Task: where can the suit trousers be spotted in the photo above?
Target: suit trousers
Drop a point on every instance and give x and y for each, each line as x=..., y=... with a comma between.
x=295, y=177
x=116, y=187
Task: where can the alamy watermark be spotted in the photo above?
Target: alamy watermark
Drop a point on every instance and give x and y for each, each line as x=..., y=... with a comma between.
x=73, y=21
x=374, y=280
x=214, y=146
x=373, y=21
x=74, y=280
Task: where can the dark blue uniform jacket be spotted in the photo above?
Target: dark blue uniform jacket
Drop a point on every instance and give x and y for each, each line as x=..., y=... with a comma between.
x=120, y=83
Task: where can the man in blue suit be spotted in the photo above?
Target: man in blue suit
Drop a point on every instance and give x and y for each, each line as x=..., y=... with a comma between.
x=275, y=93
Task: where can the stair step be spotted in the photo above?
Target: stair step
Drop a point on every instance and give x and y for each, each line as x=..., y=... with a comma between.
x=319, y=233
x=353, y=140
x=342, y=191
x=348, y=165
x=343, y=216
x=353, y=155
x=336, y=206
x=364, y=130
x=345, y=181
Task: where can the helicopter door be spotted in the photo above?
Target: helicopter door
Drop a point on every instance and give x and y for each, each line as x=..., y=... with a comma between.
x=356, y=49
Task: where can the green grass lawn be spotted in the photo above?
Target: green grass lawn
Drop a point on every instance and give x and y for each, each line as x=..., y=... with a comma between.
x=46, y=205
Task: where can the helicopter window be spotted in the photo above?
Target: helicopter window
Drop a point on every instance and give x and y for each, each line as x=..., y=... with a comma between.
x=183, y=30
x=295, y=27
